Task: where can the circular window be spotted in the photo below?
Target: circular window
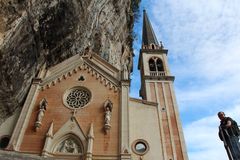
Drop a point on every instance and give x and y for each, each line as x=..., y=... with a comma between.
x=4, y=142
x=140, y=147
x=77, y=97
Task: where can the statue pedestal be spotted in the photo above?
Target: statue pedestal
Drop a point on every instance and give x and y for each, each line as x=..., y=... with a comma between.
x=37, y=125
x=107, y=128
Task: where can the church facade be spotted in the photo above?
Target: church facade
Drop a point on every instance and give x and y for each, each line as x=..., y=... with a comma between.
x=81, y=109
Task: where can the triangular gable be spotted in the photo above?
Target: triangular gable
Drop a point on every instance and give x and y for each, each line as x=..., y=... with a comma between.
x=94, y=64
x=70, y=129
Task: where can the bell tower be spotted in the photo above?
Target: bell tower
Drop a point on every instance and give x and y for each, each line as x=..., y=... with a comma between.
x=157, y=86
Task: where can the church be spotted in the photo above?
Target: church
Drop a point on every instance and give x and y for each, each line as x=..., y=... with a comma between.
x=81, y=109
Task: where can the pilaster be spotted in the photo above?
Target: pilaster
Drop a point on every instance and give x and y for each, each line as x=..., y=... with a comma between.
x=124, y=121
x=169, y=120
x=179, y=125
x=163, y=149
x=24, y=117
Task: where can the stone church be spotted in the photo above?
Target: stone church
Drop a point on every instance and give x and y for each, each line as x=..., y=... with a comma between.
x=81, y=109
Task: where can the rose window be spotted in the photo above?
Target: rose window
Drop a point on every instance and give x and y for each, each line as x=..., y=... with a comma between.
x=77, y=98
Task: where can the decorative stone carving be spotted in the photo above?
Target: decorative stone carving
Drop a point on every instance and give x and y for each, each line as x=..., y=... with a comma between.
x=108, y=105
x=42, y=108
x=125, y=69
x=126, y=63
x=107, y=116
x=161, y=45
x=125, y=153
x=78, y=98
x=69, y=146
x=87, y=51
x=66, y=141
x=125, y=150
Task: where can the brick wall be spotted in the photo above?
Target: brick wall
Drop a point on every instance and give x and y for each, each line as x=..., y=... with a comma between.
x=104, y=144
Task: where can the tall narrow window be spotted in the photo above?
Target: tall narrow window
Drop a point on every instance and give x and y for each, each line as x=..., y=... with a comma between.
x=152, y=65
x=159, y=65
x=153, y=46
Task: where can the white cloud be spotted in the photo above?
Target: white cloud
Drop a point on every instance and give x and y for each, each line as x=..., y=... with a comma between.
x=203, y=42
x=222, y=91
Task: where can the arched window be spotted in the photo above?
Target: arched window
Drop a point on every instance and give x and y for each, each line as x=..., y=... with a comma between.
x=69, y=144
x=159, y=65
x=152, y=65
x=153, y=47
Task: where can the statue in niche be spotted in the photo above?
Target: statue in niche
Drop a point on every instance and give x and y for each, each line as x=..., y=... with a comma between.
x=68, y=146
x=43, y=103
x=107, y=116
x=108, y=105
x=161, y=45
x=126, y=63
x=125, y=69
x=42, y=108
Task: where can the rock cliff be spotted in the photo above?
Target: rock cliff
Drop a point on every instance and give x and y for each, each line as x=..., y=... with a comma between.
x=34, y=32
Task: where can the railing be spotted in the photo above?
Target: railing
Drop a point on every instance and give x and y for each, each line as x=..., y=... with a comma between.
x=157, y=73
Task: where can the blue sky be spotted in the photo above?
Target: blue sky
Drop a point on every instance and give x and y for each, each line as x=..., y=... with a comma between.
x=203, y=39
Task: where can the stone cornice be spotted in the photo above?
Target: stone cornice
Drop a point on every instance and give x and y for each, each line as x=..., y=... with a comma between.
x=154, y=51
x=142, y=101
x=167, y=78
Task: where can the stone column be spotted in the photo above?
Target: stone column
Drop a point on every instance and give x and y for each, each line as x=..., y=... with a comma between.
x=124, y=121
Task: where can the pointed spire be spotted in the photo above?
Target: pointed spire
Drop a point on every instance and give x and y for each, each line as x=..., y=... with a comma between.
x=90, y=143
x=90, y=133
x=50, y=131
x=148, y=35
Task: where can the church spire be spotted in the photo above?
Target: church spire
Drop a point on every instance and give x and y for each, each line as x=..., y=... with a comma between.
x=148, y=35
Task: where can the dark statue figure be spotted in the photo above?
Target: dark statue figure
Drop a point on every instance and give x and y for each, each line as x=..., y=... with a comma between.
x=229, y=134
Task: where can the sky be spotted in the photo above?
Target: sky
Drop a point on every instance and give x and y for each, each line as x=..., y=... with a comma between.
x=203, y=42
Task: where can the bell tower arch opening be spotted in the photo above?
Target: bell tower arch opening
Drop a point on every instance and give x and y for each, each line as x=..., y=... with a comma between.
x=152, y=65
x=159, y=65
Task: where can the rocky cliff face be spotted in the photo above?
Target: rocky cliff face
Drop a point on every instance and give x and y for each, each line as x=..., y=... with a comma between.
x=34, y=32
